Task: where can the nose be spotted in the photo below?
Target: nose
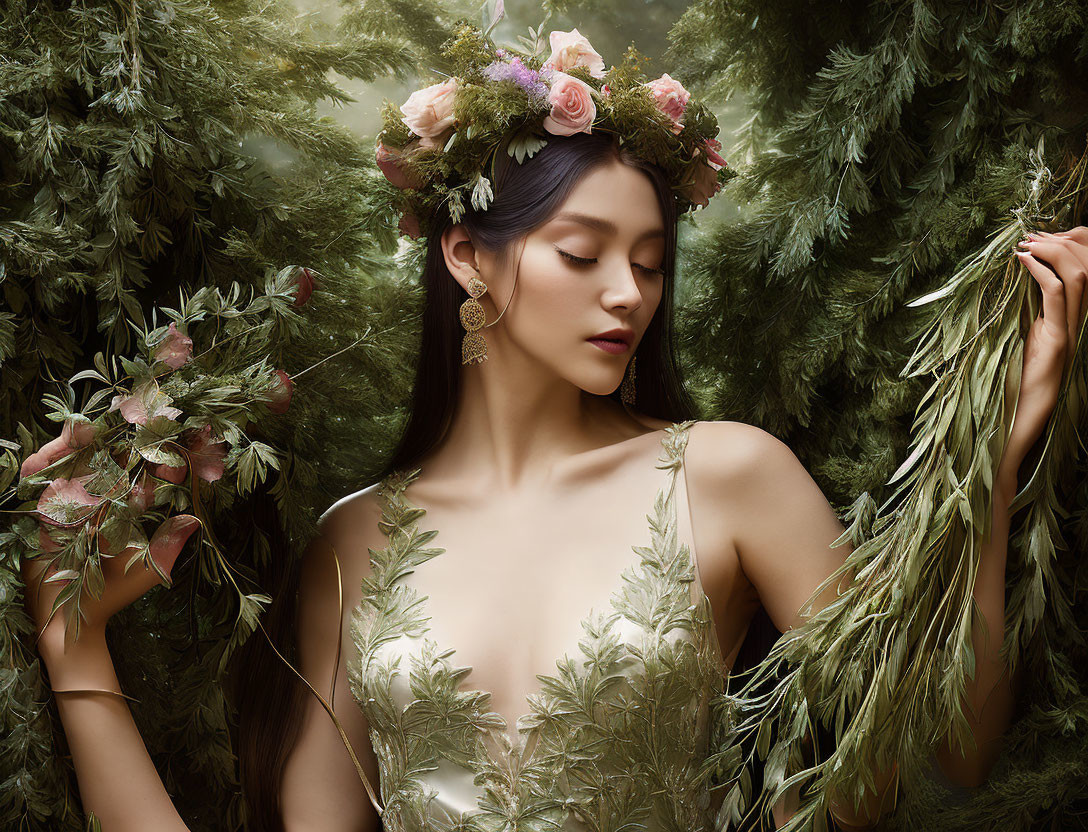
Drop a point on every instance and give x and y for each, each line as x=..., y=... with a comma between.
x=623, y=287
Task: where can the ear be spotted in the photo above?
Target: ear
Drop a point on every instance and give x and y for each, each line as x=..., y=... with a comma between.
x=460, y=254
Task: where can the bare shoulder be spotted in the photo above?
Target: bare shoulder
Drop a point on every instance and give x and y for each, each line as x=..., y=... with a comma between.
x=724, y=461
x=747, y=469
x=779, y=521
x=734, y=449
x=348, y=529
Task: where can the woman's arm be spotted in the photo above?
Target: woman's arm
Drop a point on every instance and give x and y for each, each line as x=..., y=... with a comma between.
x=782, y=527
x=321, y=789
x=1059, y=264
x=989, y=695
x=117, y=779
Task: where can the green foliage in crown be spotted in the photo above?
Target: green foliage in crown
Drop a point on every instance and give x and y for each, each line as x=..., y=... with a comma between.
x=439, y=148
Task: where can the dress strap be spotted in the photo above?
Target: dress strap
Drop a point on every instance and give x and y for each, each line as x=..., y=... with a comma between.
x=675, y=442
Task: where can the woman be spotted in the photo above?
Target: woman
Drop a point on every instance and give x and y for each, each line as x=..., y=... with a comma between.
x=573, y=521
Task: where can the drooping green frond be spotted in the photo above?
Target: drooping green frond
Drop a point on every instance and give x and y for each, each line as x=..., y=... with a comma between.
x=887, y=663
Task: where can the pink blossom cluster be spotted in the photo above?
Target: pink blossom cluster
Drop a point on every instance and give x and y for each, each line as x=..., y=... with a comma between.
x=66, y=503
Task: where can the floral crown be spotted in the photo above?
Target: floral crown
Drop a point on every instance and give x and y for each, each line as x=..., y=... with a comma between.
x=439, y=148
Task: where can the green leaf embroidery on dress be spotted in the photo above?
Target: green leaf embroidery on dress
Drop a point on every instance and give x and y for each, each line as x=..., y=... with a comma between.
x=615, y=740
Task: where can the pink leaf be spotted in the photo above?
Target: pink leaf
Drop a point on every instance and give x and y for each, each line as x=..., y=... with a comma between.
x=66, y=502
x=146, y=401
x=281, y=394
x=175, y=349
x=207, y=454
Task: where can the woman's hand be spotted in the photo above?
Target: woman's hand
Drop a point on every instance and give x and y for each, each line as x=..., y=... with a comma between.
x=83, y=509
x=120, y=589
x=1059, y=263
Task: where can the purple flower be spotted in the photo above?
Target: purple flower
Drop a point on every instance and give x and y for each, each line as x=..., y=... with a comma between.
x=497, y=71
x=516, y=71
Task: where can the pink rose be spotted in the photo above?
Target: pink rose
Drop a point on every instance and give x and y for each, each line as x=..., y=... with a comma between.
x=436, y=142
x=175, y=349
x=573, y=109
x=390, y=161
x=280, y=397
x=304, y=279
x=571, y=49
x=671, y=98
x=713, y=158
x=429, y=111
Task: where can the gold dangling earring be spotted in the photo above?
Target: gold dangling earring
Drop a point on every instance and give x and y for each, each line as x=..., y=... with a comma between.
x=473, y=345
x=627, y=388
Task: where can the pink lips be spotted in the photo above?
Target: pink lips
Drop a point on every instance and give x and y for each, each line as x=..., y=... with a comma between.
x=614, y=347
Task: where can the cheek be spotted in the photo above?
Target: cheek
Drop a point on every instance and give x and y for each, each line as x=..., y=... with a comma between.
x=552, y=300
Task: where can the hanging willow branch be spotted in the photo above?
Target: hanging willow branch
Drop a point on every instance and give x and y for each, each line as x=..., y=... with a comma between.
x=885, y=666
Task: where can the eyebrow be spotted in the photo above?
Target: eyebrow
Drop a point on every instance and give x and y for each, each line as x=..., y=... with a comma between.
x=603, y=225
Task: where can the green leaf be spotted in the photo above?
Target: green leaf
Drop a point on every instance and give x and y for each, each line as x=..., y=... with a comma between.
x=524, y=145
x=97, y=376
x=151, y=436
x=481, y=192
x=456, y=206
x=62, y=575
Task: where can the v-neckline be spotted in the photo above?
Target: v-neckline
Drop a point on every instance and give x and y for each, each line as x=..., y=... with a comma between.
x=512, y=749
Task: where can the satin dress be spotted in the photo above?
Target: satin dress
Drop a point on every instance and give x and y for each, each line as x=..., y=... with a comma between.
x=612, y=740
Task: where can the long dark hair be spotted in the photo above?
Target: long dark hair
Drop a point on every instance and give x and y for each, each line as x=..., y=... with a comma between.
x=268, y=697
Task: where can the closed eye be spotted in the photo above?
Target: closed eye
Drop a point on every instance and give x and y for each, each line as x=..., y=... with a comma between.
x=583, y=261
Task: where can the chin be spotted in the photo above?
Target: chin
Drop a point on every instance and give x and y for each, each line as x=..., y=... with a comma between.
x=602, y=386
x=599, y=377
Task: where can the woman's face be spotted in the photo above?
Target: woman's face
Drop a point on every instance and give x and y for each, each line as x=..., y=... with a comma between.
x=595, y=266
